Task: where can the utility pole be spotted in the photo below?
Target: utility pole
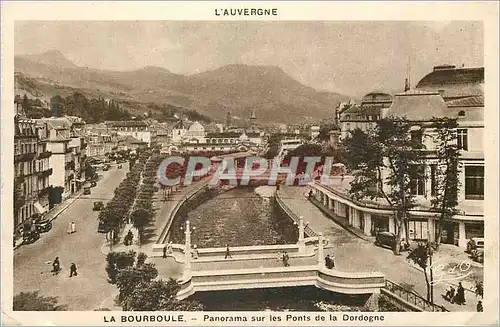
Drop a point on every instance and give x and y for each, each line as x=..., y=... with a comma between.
x=429, y=248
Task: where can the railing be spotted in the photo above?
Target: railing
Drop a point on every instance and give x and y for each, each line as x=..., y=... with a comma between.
x=180, y=202
x=308, y=230
x=412, y=297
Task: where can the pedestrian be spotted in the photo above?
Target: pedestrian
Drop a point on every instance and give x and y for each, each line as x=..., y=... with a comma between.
x=332, y=261
x=479, y=306
x=450, y=294
x=73, y=227
x=195, y=252
x=228, y=253
x=285, y=259
x=328, y=261
x=310, y=193
x=479, y=289
x=164, y=252
x=69, y=228
x=56, y=266
x=169, y=247
x=460, y=297
x=72, y=270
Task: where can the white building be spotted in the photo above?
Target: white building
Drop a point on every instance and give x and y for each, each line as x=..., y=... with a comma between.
x=137, y=129
x=445, y=92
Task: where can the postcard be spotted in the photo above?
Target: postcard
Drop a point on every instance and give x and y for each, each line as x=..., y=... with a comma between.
x=249, y=163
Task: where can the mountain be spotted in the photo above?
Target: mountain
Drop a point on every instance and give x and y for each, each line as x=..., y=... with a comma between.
x=273, y=94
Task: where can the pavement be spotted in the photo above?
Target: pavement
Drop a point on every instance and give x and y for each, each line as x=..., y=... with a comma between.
x=33, y=262
x=356, y=254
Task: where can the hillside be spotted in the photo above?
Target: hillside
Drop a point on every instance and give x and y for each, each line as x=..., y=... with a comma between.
x=269, y=90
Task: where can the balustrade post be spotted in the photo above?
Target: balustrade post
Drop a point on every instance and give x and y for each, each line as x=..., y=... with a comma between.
x=187, y=251
x=321, y=260
x=302, y=243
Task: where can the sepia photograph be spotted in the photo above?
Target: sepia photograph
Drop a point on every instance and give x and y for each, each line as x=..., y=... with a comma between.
x=329, y=167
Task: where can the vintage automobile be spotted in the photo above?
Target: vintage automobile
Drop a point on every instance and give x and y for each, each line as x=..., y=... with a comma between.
x=102, y=228
x=119, y=166
x=477, y=255
x=86, y=190
x=43, y=225
x=475, y=243
x=98, y=205
x=388, y=239
x=30, y=236
x=93, y=184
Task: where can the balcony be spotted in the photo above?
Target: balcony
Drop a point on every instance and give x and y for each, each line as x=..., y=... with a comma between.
x=45, y=173
x=44, y=155
x=25, y=157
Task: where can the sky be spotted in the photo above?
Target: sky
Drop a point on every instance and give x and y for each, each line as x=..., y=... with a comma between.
x=348, y=57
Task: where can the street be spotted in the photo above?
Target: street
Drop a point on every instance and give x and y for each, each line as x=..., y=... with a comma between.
x=33, y=262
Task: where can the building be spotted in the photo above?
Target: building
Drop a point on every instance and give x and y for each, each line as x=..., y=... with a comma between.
x=31, y=170
x=66, y=141
x=135, y=128
x=445, y=92
x=364, y=116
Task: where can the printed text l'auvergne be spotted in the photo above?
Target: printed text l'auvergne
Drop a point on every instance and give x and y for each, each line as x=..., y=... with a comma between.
x=246, y=12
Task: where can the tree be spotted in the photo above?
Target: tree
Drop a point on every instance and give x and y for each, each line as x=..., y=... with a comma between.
x=129, y=278
x=140, y=219
x=33, y=301
x=385, y=154
x=158, y=296
x=422, y=256
x=117, y=261
x=445, y=199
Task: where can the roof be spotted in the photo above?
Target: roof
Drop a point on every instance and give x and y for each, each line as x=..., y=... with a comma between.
x=130, y=139
x=376, y=97
x=351, y=113
x=473, y=101
x=453, y=82
x=196, y=127
x=223, y=135
x=128, y=123
x=418, y=106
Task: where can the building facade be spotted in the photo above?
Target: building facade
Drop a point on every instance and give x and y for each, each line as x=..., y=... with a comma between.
x=445, y=92
x=135, y=128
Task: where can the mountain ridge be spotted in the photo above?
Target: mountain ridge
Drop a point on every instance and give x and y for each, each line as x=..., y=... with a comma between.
x=269, y=90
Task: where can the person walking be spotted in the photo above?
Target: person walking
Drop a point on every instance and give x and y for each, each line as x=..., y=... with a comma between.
x=280, y=256
x=164, y=252
x=228, y=253
x=479, y=306
x=72, y=270
x=460, y=297
x=328, y=261
x=56, y=266
x=73, y=227
x=332, y=261
x=285, y=259
x=195, y=252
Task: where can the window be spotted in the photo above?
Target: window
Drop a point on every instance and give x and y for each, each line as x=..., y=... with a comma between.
x=433, y=179
x=416, y=138
x=462, y=140
x=474, y=182
x=417, y=180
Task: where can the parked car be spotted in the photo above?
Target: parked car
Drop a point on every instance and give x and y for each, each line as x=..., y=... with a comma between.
x=30, y=236
x=388, y=239
x=475, y=243
x=477, y=255
x=93, y=184
x=86, y=190
x=43, y=226
x=119, y=166
x=98, y=205
x=106, y=168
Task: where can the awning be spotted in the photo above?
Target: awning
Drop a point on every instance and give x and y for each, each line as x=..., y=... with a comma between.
x=39, y=208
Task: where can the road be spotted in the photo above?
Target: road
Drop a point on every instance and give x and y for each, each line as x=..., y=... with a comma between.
x=353, y=254
x=87, y=290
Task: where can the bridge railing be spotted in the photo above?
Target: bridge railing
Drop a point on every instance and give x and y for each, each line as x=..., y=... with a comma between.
x=308, y=230
x=412, y=297
x=164, y=233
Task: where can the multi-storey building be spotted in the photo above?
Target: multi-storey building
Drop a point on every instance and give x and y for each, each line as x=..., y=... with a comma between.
x=31, y=170
x=135, y=128
x=445, y=92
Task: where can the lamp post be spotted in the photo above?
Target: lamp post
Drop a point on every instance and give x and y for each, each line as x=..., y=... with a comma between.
x=320, y=250
x=301, y=243
x=187, y=249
